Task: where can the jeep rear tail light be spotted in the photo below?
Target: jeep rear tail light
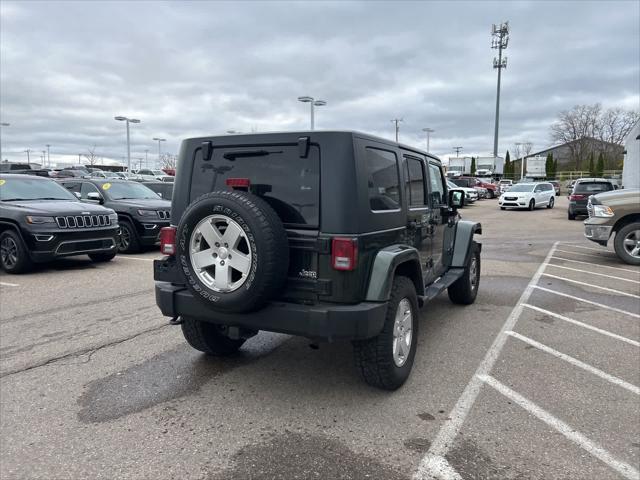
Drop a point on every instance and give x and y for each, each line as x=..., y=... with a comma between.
x=168, y=240
x=238, y=182
x=577, y=197
x=344, y=253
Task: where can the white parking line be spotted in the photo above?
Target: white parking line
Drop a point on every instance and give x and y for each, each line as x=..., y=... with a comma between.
x=601, y=305
x=6, y=284
x=618, y=292
x=586, y=248
x=574, y=361
x=583, y=325
x=594, y=273
x=126, y=257
x=585, y=254
x=595, y=264
x=447, y=434
x=583, y=442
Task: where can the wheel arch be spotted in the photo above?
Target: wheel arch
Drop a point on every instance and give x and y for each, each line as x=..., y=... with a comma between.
x=389, y=262
x=11, y=225
x=465, y=231
x=626, y=220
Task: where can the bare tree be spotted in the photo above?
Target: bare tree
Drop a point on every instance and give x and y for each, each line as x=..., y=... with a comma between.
x=91, y=156
x=168, y=160
x=580, y=126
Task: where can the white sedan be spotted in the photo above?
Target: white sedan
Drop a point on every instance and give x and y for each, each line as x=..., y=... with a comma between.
x=528, y=195
x=470, y=194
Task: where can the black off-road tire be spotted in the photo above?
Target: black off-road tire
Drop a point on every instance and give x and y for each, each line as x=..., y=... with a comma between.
x=465, y=290
x=209, y=338
x=618, y=244
x=103, y=257
x=128, y=242
x=551, y=202
x=374, y=356
x=19, y=260
x=267, y=240
x=532, y=205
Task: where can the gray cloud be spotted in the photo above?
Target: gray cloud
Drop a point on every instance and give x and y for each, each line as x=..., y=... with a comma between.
x=66, y=68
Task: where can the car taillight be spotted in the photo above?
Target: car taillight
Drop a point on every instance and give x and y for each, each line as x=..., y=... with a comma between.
x=238, y=182
x=168, y=240
x=344, y=253
x=577, y=197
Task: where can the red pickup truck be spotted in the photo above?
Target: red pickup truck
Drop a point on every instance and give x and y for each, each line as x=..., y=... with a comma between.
x=472, y=182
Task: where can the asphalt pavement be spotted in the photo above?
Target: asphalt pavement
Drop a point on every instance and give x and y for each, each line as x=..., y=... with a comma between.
x=538, y=379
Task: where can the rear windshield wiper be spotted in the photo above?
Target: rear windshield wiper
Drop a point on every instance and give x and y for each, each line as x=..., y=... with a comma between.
x=246, y=153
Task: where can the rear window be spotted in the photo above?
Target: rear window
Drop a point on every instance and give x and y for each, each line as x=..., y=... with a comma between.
x=592, y=187
x=288, y=182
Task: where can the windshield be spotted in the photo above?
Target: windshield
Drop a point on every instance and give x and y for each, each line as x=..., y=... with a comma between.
x=450, y=184
x=158, y=172
x=12, y=189
x=522, y=187
x=127, y=190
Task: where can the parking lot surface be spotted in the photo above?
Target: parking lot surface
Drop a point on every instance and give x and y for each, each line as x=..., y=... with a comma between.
x=538, y=379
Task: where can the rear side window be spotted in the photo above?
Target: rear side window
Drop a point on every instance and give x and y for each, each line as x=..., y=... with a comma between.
x=592, y=187
x=383, y=179
x=414, y=187
x=289, y=183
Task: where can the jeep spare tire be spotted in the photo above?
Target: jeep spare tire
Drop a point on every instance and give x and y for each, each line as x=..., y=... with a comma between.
x=232, y=250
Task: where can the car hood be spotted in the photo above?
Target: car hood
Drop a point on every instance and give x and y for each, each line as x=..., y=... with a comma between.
x=57, y=207
x=618, y=195
x=150, y=203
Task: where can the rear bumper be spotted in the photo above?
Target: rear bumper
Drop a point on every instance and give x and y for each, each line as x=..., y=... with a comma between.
x=322, y=321
x=578, y=208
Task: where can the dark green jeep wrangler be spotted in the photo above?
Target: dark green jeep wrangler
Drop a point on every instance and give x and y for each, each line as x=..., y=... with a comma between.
x=327, y=235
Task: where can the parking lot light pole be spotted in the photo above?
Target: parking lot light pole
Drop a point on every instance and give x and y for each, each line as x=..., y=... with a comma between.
x=3, y=124
x=48, y=155
x=158, y=139
x=429, y=132
x=128, y=120
x=314, y=103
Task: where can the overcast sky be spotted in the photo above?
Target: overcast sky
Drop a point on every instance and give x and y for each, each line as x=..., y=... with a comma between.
x=186, y=69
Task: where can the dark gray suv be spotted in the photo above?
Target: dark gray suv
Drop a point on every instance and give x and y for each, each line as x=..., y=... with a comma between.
x=582, y=190
x=327, y=235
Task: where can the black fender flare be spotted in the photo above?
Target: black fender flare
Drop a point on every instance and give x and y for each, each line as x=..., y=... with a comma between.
x=465, y=230
x=389, y=260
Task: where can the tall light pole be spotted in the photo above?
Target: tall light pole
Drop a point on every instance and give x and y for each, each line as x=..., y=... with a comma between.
x=3, y=124
x=146, y=158
x=28, y=152
x=499, y=41
x=314, y=103
x=158, y=139
x=48, y=154
x=397, y=122
x=128, y=120
x=429, y=132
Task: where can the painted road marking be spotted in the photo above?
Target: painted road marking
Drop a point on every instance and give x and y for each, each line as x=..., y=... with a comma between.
x=586, y=248
x=596, y=264
x=594, y=273
x=138, y=258
x=570, y=433
x=449, y=431
x=575, y=362
x=601, y=305
x=583, y=325
x=7, y=284
x=591, y=285
x=585, y=254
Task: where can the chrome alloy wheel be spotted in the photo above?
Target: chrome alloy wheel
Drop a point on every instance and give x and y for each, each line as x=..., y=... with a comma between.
x=473, y=272
x=220, y=253
x=631, y=243
x=9, y=252
x=402, y=332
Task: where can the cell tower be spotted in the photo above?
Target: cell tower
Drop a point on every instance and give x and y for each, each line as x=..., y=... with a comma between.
x=499, y=41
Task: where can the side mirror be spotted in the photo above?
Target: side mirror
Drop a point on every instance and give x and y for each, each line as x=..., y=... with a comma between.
x=94, y=197
x=456, y=199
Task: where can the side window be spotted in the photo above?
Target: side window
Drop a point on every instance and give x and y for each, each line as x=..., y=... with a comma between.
x=436, y=192
x=86, y=189
x=383, y=180
x=415, y=188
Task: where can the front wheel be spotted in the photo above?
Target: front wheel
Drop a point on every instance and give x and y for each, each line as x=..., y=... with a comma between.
x=209, y=338
x=128, y=239
x=532, y=204
x=385, y=361
x=627, y=243
x=550, y=204
x=465, y=290
x=14, y=257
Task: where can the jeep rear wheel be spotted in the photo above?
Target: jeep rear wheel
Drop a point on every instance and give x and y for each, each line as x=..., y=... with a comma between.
x=234, y=251
x=209, y=338
x=385, y=361
x=465, y=290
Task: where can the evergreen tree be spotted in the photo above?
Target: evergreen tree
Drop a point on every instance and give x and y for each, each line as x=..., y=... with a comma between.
x=473, y=166
x=548, y=166
x=592, y=169
x=555, y=167
x=600, y=165
x=507, y=165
